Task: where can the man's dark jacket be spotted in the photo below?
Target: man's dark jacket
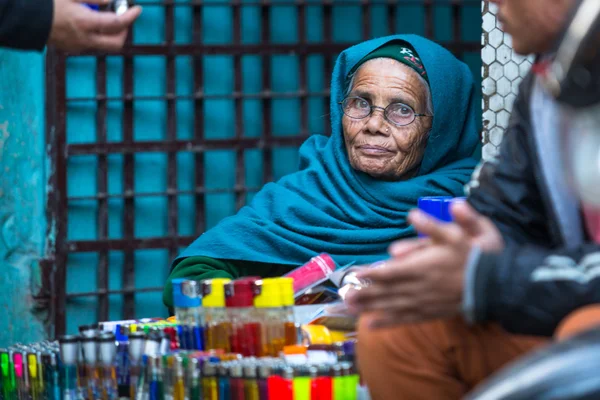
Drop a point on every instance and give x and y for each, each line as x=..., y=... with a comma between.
x=536, y=281
x=25, y=24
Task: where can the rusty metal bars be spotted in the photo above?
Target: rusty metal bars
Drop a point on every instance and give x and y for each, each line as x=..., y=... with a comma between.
x=171, y=134
x=54, y=278
x=240, y=176
x=200, y=198
x=265, y=144
x=128, y=273
x=102, y=187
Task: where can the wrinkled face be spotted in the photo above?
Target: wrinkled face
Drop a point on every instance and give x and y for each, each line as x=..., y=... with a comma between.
x=374, y=145
x=533, y=24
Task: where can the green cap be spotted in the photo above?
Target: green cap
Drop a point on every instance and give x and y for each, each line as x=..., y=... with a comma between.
x=399, y=51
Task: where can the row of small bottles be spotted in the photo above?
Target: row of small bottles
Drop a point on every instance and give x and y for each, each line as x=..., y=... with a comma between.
x=95, y=365
x=181, y=376
x=250, y=316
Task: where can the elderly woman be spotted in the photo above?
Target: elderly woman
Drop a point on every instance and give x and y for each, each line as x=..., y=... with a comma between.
x=404, y=125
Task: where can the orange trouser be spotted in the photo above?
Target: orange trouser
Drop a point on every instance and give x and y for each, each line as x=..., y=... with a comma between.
x=445, y=359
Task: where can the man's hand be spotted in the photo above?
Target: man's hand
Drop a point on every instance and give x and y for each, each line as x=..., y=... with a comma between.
x=76, y=27
x=424, y=279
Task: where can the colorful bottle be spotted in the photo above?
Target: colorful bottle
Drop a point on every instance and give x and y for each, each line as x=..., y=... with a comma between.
x=236, y=382
x=301, y=382
x=20, y=365
x=217, y=328
x=51, y=376
x=291, y=329
x=195, y=384
x=281, y=386
x=245, y=329
x=224, y=382
x=155, y=385
x=350, y=380
x=338, y=383
x=121, y=359
x=321, y=386
x=251, y=391
x=69, y=350
x=34, y=367
x=269, y=311
x=264, y=372
x=210, y=387
x=179, y=392
x=137, y=343
x=90, y=357
x=187, y=299
x=8, y=376
x=106, y=368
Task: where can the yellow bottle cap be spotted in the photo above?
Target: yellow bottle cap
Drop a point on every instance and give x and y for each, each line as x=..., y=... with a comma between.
x=286, y=286
x=32, y=364
x=338, y=336
x=316, y=334
x=133, y=328
x=213, y=292
x=269, y=293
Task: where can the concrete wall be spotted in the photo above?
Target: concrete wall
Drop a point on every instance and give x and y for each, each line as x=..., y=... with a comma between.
x=22, y=188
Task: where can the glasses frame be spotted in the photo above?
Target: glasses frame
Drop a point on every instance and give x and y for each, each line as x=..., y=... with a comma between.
x=384, y=110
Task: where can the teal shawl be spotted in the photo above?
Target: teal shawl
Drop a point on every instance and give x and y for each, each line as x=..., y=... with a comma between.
x=329, y=207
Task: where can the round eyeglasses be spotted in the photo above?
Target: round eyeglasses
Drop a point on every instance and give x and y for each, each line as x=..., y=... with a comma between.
x=398, y=114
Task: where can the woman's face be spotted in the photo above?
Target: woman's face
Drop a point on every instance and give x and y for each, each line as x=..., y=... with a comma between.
x=376, y=146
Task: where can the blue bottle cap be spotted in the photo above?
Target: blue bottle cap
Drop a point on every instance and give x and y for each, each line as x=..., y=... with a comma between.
x=446, y=216
x=119, y=336
x=432, y=205
x=186, y=293
x=445, y=212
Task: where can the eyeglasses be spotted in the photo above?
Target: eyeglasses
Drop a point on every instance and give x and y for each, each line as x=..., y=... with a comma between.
x=398, y=114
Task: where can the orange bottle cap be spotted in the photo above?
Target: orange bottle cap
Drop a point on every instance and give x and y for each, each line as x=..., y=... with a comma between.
x=294, y=349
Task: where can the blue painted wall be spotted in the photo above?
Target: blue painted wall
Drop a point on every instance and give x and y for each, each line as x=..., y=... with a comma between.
x=21, y=211
x=22, y=188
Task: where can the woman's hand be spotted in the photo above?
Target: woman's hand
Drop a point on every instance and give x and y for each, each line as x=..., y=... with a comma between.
x=424, y=278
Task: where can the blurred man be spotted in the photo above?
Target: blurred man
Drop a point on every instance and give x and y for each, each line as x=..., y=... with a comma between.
x=67, y=24
x=519, y=258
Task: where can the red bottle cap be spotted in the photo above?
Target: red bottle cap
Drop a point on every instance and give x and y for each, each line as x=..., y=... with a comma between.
x=240, y=293
x=172, y=334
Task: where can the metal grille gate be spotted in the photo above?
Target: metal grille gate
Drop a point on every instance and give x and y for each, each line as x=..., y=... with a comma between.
x=54, y=295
